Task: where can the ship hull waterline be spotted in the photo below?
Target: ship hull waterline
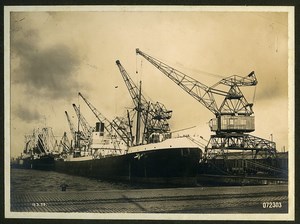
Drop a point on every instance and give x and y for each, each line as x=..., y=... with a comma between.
x=175, y=166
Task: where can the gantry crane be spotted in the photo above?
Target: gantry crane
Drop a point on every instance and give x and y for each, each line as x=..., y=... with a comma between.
x=233, y=118
x=154, y=115
x=87, y=129
x=123, y=134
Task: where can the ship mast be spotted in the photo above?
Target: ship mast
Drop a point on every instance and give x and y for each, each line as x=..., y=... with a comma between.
x=138, y=117
x=78, y=131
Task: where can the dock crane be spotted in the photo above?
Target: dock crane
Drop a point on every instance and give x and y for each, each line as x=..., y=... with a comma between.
x=71, y=126
x=87, y=129
x=233, y=118
x=154, y=116
x=108, y=125
x=76, y=135
x=65, y=143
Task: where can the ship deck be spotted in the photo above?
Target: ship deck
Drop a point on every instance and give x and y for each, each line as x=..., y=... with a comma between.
x=199, y=200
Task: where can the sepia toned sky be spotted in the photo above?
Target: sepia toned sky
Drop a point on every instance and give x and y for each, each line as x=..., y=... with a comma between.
x=56, y=54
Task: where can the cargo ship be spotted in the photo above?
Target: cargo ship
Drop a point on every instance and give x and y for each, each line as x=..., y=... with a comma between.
x=113, y=152
x=172, y=161
x=38, y=152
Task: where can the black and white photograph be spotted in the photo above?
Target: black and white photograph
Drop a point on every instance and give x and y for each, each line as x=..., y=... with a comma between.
x=149, y=112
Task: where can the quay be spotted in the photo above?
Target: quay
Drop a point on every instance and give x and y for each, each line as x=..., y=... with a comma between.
x=197, y=200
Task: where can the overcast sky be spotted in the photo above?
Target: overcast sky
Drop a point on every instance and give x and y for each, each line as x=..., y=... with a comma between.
x=55, y=55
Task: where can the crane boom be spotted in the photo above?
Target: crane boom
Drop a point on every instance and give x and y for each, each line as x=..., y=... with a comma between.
x=154, y=115
x=87, y=129
x=196, y=89
x=131, y=86
x=119, y=131
x=71, y=125
x=65, y=143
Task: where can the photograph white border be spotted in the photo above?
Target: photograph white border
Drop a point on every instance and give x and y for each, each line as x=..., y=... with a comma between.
x=117, y=216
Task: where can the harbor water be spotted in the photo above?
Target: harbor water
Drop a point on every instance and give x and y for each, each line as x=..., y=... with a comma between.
x=29, y=180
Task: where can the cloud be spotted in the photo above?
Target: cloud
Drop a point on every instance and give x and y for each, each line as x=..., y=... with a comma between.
x=45, y=71
x=272, y=90
x=27, y=114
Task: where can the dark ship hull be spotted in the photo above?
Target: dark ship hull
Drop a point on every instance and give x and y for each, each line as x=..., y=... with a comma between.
x=163, y=166
x=45, y=162
x=22, y=163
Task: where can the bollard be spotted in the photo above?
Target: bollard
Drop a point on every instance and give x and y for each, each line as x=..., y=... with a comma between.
x=64, y=187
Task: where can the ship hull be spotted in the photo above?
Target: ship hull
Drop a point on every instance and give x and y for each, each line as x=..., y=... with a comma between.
x=164, y=166
x=45, y=162
x=24, y=163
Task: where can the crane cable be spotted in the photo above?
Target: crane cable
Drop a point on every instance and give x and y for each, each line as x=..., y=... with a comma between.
x=138, y=70
x=254, y=95
x=136, y=67
x=141, y=70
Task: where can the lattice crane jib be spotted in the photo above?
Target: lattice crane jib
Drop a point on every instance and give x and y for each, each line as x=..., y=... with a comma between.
x=71, y=126
x=108, y=125
x=87, y=129
x=65, y=143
